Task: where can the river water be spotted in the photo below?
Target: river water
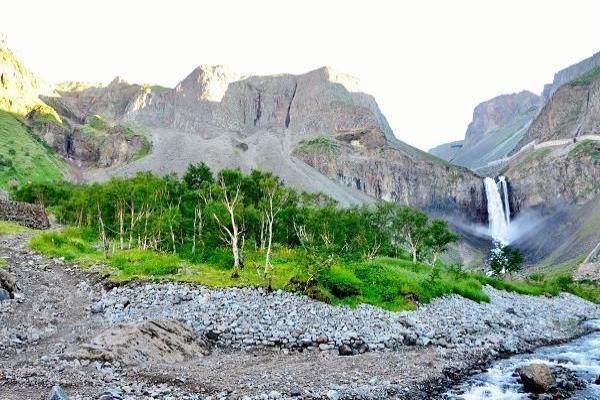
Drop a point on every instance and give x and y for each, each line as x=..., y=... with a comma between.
x=581, y=356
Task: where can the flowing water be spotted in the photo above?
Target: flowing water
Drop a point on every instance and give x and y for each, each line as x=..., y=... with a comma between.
x=502, y=180
x=499, y=221
x=581, y=356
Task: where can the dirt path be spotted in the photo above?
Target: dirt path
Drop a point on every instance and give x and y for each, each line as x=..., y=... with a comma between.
x=51, y=317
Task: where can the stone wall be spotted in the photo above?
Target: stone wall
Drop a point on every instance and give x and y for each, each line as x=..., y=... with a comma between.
x=28, y=215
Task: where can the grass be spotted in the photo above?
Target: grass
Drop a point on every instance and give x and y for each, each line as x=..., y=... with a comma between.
x=23, y=157
x=97, y=131
x=390, y=283
x=321, y=145
x=11, y=228
x=534, y=156
x=587, y=78
x=584, y=148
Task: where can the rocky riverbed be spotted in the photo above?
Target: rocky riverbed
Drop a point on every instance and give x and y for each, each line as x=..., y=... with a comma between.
x=179, y=341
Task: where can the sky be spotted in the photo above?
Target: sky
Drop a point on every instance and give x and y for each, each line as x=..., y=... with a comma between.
x=428, y=63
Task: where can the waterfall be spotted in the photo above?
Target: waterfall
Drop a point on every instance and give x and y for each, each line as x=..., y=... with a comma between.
x=502, y=180
x=496, y=215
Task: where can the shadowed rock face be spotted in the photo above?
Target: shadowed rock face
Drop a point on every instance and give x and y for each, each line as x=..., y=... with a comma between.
x=385, y=172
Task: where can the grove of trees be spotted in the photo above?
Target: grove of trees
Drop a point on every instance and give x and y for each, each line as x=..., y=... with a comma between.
x=204, y=215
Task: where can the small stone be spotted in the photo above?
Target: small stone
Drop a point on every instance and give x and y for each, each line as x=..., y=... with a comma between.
x=345, y=350
x=97, y=307
x=322, y=339
x=333, y=395
x=57, y=393
x=4, y=295
x=295, y=392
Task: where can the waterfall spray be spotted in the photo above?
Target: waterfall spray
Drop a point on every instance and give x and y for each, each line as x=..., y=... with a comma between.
x=497, y=218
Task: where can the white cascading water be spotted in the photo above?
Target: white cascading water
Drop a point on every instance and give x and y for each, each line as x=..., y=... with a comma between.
x=497, y=218
x=502, y=180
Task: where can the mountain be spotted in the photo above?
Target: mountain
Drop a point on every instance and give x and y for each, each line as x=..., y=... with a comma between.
x=497, y=127
x=83, y=142
x=568, y=74
x=572, y=111
x=317, y=131
x=447, y=151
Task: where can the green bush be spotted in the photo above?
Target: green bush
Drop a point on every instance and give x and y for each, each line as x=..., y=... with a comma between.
x=341, y=282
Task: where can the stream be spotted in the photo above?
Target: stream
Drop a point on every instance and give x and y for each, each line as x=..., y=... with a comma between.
x=582, y=356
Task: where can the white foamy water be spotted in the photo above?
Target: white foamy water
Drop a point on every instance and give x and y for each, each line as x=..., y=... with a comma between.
x=581, y=356
x=498, y=220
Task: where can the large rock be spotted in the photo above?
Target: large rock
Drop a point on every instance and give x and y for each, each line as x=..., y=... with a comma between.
x=157, y=341
x=8, y=283
x=536, y=378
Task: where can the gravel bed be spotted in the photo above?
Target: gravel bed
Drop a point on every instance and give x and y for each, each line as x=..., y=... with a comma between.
x=253, y=319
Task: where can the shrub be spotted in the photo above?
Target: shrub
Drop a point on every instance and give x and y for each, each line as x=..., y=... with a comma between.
x=341, y=282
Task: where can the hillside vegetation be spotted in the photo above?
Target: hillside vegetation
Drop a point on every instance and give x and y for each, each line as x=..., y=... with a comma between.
x=23, y=157
x=251, y=230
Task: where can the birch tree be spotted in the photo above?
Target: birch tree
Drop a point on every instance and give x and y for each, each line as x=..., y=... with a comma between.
x=231, y=231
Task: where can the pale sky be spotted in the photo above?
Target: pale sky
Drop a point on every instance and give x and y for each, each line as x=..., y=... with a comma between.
x=428, y=63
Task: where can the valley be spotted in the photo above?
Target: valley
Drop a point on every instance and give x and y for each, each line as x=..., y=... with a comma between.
x=241, y=236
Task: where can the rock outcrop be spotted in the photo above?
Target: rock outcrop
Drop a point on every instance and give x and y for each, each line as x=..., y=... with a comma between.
x=260, y=120
x=361, y=160
x=497, y=127
x=568, y=74
x=572, y=111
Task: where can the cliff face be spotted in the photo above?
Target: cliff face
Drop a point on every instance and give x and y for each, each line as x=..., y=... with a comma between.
x=568, y=74
x=551, y=178
x=259, y=121
x=572, y=111
x=498, y=112
x=497, y=127
x=385, y=172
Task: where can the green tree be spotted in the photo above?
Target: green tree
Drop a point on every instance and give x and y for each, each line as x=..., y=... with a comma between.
x=412, y=227
x=439, y=236
x=197, y=176
x=505, y=259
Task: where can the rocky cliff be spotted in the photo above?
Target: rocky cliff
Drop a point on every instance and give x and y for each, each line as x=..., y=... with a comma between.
x=568, y=74
x=572, y=111
x=498, y=125
x=362, y=160
x=69, y=131
x=261, y=121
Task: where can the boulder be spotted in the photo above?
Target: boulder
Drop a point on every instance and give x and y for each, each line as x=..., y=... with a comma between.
x=159, y=341
x=536, y=378
x=7, y=282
